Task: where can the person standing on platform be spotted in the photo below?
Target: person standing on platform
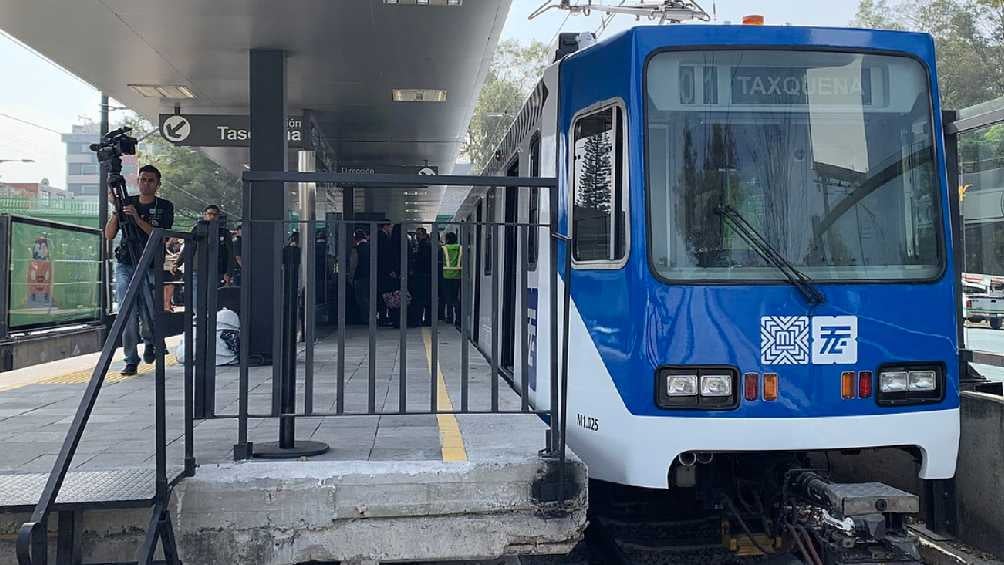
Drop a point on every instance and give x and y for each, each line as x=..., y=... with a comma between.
x=237, y=243
x=451, y=279
x=388, y=263
x=421, y=284
x=359, y=274
x=212, y=212
x=147, y=211
x=175, y=248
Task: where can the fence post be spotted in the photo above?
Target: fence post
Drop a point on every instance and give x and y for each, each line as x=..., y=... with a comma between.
x=188, y=254
x=160, y=393
x=198, y=288
x=287, y=446
x=243, y=449
x=5, y=278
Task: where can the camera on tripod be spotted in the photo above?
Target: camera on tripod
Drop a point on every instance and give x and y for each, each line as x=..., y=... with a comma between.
x=113, y=146
x=109, y=151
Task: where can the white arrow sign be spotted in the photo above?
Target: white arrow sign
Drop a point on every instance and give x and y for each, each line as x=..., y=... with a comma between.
x=176, y=129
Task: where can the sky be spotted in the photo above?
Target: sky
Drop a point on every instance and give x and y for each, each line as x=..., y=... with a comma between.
x=46, y=100
x=544, y=28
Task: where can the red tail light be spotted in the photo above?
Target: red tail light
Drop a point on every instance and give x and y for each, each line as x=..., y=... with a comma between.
x=752, y=386
x=864, y=384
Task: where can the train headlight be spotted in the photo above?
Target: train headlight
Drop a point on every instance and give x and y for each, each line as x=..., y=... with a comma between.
x=700, y=388
x=893, y=381
x=910, y=384
x=922, y=380
x=681, y=385
x=716, y=385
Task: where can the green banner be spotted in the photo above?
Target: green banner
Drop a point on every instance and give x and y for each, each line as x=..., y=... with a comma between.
x=53, y=275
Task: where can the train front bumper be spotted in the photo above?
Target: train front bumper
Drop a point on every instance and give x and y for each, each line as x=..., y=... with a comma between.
x=640, y=449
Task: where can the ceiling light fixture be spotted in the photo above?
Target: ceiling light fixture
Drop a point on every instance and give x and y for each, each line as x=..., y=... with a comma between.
x=418, y=95
x=175, y=91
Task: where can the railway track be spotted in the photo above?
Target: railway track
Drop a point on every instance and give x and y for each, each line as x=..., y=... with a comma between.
x=631, y=526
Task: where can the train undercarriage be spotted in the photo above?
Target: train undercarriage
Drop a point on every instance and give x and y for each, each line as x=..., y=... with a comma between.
x=766, y=507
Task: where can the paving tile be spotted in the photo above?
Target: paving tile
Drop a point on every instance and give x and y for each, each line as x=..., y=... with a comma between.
x=34, y=421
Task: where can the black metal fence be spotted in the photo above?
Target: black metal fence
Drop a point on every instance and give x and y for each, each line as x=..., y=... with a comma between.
x=485, y=279
x=144, y=298
x=480, y=290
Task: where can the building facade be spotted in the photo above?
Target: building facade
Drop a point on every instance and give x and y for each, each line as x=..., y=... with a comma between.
x=82, y=169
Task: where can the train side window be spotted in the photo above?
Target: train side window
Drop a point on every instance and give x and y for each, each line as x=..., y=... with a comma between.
x=599, y=200
x=489, y=229
x=534, y=205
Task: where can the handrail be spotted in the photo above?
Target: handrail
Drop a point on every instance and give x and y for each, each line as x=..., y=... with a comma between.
x=32, y=537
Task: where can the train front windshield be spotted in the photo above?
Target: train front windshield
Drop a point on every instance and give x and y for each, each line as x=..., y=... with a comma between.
x=829, y=156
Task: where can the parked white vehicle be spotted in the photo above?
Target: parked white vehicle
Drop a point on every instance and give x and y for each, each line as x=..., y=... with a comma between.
x=983, y=299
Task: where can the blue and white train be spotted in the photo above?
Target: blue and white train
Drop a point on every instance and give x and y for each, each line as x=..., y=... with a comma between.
x=763, y=252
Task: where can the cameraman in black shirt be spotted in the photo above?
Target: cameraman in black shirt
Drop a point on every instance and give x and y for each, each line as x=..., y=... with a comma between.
x=148, y=211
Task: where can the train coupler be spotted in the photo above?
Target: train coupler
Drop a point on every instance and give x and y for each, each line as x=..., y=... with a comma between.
x=852, y=523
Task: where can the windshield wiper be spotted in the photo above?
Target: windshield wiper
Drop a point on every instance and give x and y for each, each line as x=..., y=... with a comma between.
x=797, y=278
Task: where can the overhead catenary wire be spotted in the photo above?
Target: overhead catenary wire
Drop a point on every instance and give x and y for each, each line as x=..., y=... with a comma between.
x=560, y=27
x=29, y=123
x=34, y=52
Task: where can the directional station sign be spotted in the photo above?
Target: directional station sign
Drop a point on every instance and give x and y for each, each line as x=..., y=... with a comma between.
x=220, y=130
x=360, y=169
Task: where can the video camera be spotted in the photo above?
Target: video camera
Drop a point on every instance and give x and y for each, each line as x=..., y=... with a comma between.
x=113, y=146
x=109, y=151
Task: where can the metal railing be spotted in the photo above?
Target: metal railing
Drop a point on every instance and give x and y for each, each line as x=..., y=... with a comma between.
x=511, y=237
x=509, y=240
x=145, y=298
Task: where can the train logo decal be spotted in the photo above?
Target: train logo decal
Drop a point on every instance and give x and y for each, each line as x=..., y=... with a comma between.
x=834, y=340
x=784, y=340
x=531, y=336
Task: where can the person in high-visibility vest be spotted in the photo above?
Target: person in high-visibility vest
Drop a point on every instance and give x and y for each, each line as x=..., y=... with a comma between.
x=451, y=279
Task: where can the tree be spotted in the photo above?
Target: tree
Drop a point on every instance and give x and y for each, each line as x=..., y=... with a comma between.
x=189, y=179
x=512, y=75
x=593, y=190
x=969, y=35
x=876, y=14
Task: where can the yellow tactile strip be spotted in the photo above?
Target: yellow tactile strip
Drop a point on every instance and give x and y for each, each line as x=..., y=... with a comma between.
x=450, y=439
x=113, y=376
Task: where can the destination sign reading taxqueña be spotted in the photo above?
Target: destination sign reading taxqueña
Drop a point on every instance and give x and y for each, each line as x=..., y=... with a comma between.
x=775, y=85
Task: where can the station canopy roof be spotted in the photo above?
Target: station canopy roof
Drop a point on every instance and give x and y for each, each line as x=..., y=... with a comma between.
x=345, y=59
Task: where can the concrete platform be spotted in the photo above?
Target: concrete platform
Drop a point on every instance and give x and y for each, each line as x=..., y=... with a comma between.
x=392, y=487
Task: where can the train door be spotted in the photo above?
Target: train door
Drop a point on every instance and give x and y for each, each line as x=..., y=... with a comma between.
x=509, y=270
x=476, y=274
x=528, y=337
